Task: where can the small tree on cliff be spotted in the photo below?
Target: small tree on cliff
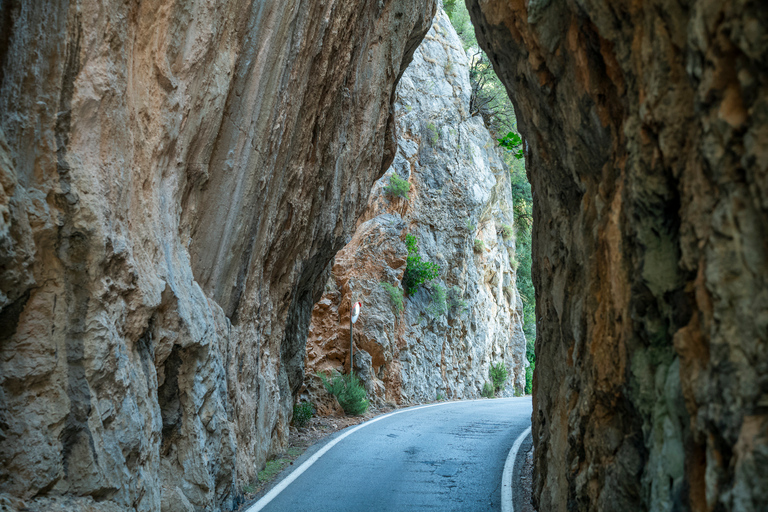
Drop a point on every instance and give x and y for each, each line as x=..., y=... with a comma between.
x=417, y=271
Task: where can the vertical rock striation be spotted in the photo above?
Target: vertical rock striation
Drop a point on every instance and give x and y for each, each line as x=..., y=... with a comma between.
x=460, y=193
x=646, y=130
x=174, y=179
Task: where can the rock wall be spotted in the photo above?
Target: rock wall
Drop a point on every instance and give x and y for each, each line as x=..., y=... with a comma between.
x=646, y=131
x=174, y=179
x=460, y=192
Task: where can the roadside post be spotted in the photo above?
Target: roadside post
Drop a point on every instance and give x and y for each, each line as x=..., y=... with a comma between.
x=353, y=314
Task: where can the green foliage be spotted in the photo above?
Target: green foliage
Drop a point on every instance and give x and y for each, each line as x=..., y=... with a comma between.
x=249, y=489
x=455, y=302
x=506, y=231
x=512, y=142
x=470, y=225
x=396, y=296
x=397, y=187
x=439, y=397
x=487, y=391
x=302, y=413
x=498, y=374
x=459, y=16
x=439, y=305
x=479, y=246
x=432, y=133
x=417, y=271
x=348, y=390
x=529, y=378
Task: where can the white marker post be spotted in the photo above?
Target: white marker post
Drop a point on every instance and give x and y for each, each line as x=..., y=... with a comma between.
x=353, y=314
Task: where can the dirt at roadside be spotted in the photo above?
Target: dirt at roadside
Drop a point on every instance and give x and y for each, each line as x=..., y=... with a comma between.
x=526, y=484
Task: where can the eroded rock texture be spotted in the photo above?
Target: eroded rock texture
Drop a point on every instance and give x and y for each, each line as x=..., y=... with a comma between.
x=646, y=129
x=175, y=178
x=460, y=193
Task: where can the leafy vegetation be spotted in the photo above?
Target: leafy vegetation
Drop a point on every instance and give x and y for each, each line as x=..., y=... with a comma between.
x=498, y=374
x=513, y=143
x=529, y=378
x=490, y=100
x=397, y=187
x=348, y=390
x=302, y=413
x=417, y=271
x=396, y=296
x=455, y=303
x=439, y=306
x=487, y=391
x=434, y=136
x=479, y=246
x=470, y=225
x=506, y=231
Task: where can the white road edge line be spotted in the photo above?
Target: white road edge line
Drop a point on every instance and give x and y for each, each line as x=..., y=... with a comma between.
x=506, y=476
x=264, y=501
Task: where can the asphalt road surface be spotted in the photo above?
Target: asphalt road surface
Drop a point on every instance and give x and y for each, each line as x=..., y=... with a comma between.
x=444, y=457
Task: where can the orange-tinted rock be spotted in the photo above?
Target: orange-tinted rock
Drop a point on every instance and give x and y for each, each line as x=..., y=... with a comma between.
x=646, y=131
x=460, y=192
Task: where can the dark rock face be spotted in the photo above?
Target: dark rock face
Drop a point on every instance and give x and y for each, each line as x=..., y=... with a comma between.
x=174, y=179
x=646, y=131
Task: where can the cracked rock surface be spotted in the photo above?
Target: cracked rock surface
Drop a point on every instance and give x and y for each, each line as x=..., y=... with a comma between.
x=175, y=177
x=460, y=193
x=646, y=132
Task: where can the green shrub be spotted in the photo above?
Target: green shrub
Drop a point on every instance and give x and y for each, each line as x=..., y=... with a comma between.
x=514, y=263
x=397, y=187
x=302, y=413
x=479, y=246
x=512, y=142
x=396, y=296
x=417, y=271
x=348, y=390
x=432, y=133
x=470, y=226
x=439, y=305
x=529, y=378
x=455, y=302
x=507, y=231
x=498, y=374
x=487, y=391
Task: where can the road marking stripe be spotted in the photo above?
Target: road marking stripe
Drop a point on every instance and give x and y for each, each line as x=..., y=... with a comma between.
x=506, y=476
x=272, y=494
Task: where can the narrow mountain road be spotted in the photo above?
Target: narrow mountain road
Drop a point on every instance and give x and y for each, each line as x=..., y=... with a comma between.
x=447, y=456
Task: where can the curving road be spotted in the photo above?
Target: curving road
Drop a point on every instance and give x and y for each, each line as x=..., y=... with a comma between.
x=447, y=456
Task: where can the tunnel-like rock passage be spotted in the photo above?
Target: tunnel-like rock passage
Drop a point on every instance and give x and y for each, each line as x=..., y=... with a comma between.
x=646, y=141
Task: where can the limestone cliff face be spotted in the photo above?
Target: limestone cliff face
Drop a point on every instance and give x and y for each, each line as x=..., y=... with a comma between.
x=175, y=177
x=460, y=192
x=646, y=130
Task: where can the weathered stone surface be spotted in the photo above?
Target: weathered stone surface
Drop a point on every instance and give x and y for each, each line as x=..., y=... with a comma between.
x=174, y=179
x=646, y=131
x=460, y=192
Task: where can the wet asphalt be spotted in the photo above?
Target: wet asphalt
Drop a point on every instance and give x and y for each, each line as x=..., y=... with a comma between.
x=444, y=458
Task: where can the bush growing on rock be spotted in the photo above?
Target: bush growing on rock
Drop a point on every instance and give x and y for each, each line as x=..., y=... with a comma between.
x=417, y=271
x=439, y=305
x=506, y=231
x=302, y=413
x=479, y=246
x=455, y=302
x=397, y=187
x=487, y=391
x=396, y=296
x=498, y=373
x=529, y=378
x=348, y=390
